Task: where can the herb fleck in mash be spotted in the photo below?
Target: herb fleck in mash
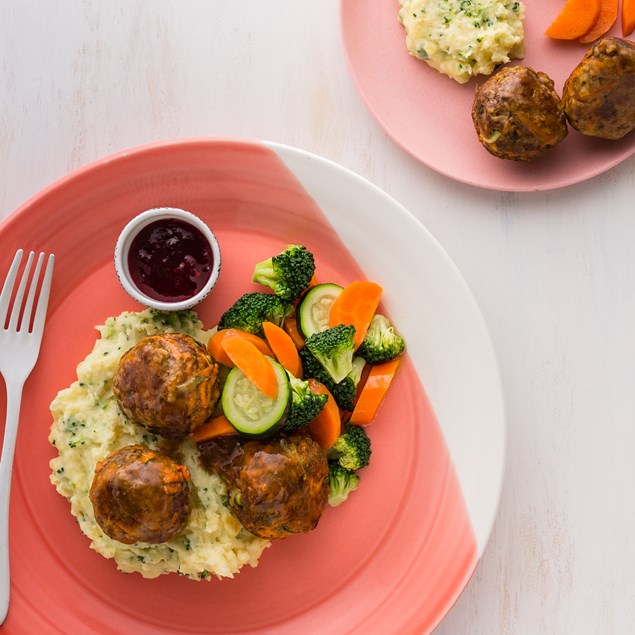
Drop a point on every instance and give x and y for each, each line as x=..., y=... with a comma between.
x=88, y=426
x=463, y=38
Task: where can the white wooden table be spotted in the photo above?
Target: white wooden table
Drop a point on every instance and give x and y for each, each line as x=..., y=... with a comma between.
x=554, y=273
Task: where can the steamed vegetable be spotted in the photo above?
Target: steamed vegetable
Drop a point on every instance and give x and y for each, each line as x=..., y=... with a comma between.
x=341, y=483
x=576, y=18
x=606, y=19
x=374, y=392
x=356, y=305
x=351, y=449
x=381, y=343
x=628, y=17
x=315, y=307
x=216, y=427
x=250, y=410
x=256, y=367
x=252, y=309
x=288, y=274
x=283, y=347
x=345, y=391
x=215, y=345
x=305, y=404
x=334, y=348
x=326, y=427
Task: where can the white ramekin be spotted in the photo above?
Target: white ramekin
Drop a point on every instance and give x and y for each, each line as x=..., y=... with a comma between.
x=129, y=233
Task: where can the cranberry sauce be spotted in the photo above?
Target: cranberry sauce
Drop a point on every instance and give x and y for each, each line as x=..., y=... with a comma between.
x=170, y=260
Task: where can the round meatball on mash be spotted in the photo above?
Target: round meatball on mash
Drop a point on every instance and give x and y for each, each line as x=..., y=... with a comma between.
x=140, y=495
x=168, y=383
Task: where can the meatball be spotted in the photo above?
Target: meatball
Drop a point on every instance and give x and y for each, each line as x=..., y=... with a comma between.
x=167, y=383
x=599, y=95
x=277, y=487
x=139, y=495
x=518, y=115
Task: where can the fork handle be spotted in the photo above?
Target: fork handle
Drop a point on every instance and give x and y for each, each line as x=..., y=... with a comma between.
x=14, y=397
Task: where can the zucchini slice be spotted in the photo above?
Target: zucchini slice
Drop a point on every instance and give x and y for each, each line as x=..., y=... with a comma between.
x=313, y=310
x=249, y=410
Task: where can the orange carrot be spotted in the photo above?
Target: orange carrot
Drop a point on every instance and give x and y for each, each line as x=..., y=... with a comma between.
x=606, y=19
x=290, y=325
x=283, y=348
x=215, y=344
x=313, y=283
x=216, y=427
x=184, y=471
x=374, y=391
x=253, y=363
x=327, y=426
x=576, y=18
x=628, y=17
x=356, y=305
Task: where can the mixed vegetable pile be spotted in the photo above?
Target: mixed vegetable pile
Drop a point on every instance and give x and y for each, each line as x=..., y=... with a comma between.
x=314, y=355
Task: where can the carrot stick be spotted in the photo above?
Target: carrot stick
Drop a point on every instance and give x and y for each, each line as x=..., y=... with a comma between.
x=283, y=348
x=628, y=17
x=216, y=427
x=373, y=393
x=576, y=18
x=356, y=305
x=606, y=19
x=253, y=363
x=290, y=325
x=327, y=426
x=215, y=345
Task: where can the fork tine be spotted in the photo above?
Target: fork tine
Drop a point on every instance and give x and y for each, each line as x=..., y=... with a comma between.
x=28, y=305
x=43, y=300
x=7, y=288
x=17, y=302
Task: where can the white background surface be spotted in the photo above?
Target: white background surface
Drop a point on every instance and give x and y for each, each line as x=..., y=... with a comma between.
x=552, y=272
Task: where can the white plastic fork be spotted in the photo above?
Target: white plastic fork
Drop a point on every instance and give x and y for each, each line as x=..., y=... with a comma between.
x=19, y=350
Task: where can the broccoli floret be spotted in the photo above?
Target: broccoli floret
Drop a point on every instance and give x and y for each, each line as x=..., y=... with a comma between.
x=305, y=404
x=252, y=309
x=334, y=348
x=341, y=483
x=352, y=449
x=343, y=392
x=381, y=343
x=288, y=273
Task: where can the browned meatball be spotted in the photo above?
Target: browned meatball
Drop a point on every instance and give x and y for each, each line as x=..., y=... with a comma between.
x=518, y=115
x=167, y=383
x=139, y=495
x=599, y=95
x=277, y=487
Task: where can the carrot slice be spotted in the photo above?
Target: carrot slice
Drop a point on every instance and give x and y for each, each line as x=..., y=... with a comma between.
x=356, y=305
x=216, y=427
x=576, y=18
x=253, y=363
x=606, y=19
x=283, y=348
x=327, y=426
x=628, y=17
x=373, y=393
x=215, y=344
x=290, y=325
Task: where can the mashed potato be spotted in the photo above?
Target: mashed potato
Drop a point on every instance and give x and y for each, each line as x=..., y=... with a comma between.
x=463, y=38
x=88, y=426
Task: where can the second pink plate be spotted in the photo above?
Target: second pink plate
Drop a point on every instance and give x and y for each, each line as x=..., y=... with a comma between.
x=429, y=114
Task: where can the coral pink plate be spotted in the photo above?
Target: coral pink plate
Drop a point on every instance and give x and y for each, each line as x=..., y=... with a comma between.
x=429, y=114
x=394, y=558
